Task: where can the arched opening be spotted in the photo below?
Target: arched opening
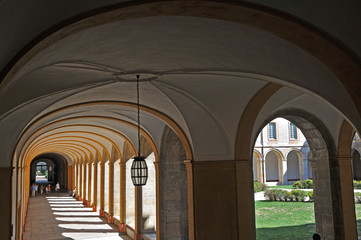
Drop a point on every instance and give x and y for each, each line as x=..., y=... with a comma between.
x=293, y=166
x=356, y=164
x=49, y=169
x=356, y=160
x=321, y=151
x=272, y=168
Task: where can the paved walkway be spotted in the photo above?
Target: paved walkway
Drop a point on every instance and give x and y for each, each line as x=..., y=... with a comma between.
x=58, y=216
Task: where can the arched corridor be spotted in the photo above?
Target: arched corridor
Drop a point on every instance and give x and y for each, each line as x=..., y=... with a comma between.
x=212, y=75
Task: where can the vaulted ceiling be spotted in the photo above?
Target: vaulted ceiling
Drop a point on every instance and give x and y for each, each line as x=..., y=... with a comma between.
x=73, y=91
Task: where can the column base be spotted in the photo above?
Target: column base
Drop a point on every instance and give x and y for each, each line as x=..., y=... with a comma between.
x=110, y=219
x=94, y=208
x=122, y=227
x=84, y=201
x=137, y=236
x=101, y=213
x=88, y=203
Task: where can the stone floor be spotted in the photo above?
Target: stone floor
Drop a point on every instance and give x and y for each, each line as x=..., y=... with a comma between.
x=59, y=216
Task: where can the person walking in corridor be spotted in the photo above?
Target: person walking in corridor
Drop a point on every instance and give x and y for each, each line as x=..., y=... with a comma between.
x=33, y=190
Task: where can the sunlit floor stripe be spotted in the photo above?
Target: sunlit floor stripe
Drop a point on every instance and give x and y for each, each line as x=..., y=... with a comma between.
x=67, y=205
x=77, y=226
x=61, y=198
x=79, y=219
x=55, y=202
x=76, y=213
x=73, y=209
x=92, y=236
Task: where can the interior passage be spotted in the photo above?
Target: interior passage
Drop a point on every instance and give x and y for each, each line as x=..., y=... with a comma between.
x=59, y=216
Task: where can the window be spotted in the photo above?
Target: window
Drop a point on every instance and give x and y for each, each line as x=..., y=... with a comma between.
x=293, y=131
x=272, y=131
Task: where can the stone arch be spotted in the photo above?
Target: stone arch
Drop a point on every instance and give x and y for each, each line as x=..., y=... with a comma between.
x=257, y=166
x=274, y=167
x=173, y=175
x=356, y=165
x=314, y=48
x=347, y=192
x=328, y=214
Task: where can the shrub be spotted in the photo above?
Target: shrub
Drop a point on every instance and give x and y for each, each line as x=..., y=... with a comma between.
x=357, y=197
x=303, y=184
x=291, y=197
x=297, y=184
x=270, y=195
x=279, y=195
x=357, y=184
x=259, y=187
x=283, y=195
x=310, y=195
x=308, y=183
x=299, y=195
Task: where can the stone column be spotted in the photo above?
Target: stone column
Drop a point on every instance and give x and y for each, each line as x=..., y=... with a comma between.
x=95, y=186
x=70, y=178
x=102, y=172
x=122, y=225
x=80, y=167
x=138, y=213
x=284, y=179
x=328, y=213
x=173, y=192
x=156, y=167
x=111, y=192
x=263, y=164
x=76, y=182
x=89, y=184
x=5, y=200
x=220, y=204
x=347, y=195
x=84, y=179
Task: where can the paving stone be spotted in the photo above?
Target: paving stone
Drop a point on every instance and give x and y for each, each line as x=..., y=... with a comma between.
x=43, y=222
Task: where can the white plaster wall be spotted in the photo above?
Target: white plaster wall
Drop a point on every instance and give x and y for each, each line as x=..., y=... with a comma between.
x=271, y=167
x=117, y=189
x=106, y=186
x=293, y=169
x=98, y=187
x=129, y=196
x=149, y=196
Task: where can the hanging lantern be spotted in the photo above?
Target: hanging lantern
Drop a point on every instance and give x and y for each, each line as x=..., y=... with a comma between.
x=139, y=169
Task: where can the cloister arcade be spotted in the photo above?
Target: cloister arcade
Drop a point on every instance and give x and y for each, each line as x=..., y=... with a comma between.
x=212, y=75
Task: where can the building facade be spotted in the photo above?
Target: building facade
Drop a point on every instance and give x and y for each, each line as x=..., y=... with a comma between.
x=280, y=154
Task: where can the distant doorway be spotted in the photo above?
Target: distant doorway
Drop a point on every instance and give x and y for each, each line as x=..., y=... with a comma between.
x=41, y=174
x=49, y=169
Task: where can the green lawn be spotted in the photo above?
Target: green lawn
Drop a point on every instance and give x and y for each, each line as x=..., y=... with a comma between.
x=289, y=220
x=282, y=186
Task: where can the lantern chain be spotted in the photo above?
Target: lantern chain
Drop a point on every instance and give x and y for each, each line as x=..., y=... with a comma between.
x=138, y=115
